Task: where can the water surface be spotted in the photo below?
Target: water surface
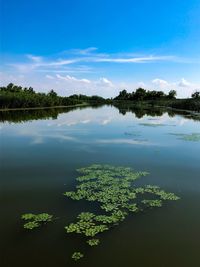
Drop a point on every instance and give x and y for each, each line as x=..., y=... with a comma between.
x=39, y=155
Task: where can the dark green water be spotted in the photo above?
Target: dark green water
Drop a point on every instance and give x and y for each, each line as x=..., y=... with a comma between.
x=39, y=159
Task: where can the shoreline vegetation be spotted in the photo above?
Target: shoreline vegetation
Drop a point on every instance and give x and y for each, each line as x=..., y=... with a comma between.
x=51, y=107
x=13, y=97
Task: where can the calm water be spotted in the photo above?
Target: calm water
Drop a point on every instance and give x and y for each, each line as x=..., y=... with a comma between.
x=39, y=159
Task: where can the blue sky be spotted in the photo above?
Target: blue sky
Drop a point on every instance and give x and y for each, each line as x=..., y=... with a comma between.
x=100, y=47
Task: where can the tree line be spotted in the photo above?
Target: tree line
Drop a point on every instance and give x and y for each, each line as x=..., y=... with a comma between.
x=159, y=98
x=141, y=94
x=14, y=96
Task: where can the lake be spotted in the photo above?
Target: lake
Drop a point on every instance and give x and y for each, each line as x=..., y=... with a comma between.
x=40, y=152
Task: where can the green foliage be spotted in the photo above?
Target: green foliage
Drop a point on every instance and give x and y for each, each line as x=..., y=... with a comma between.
x=152, y=124
x=43, y=217
x=35, y=220
x=142, y=99
x=31, y=225
x=134, y=134
x=86, y=216
x=152, y=203
x=86, y=225
x=172, y=94
x=196, y=95
x=155, y=190
x=28, y=216
x=186, y=104
x=77, y=256
x=92, y=99
x=115, y=190
x=93, y=242
x=13, y=96
x=193, y=137
x=114, y=218
x=141, y=94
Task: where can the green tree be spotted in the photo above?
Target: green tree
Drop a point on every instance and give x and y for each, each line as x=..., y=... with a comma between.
x=52, y=93
x=122, y=95
x=140, y=94
x=196, y=95
x=172, y=94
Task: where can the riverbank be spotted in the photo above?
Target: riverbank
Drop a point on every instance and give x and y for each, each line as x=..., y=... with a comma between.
x=52, y=107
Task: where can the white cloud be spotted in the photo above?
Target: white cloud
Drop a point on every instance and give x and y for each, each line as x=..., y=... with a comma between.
x=141, y=84
x=105, y=82
x=6, y=78
x=145, y=59
x=160, y=83
x=86, y=51
x=59, y=62
x=67, y=69
x=184, y=83
x=72, y=79
x=74, y=56
x=102, y=82
x=183, y=87
x=34, y=58
x=85, y=80
x=66, y=85
x=49, y=77
x=37, y=64
x=63, y=72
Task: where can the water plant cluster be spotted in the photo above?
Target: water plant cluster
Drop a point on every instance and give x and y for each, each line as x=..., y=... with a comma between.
x=193, y=137
x=152, y=124
x=35, y=220
x=77, y=256
x=93, y=242
x=134, y=134
x=117, y=194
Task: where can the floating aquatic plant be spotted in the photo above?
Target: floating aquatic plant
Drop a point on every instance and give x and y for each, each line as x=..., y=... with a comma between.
x=77, y=256
x=28, y=216
x=93, y=242
x=193, y=137
x=86, y=225
x=153, y=124
x=136, y=137
x=31, y=225
x=135, y=134
x=115, y=191
x=152, y=202
x=35, y=220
